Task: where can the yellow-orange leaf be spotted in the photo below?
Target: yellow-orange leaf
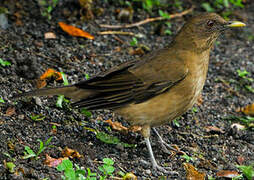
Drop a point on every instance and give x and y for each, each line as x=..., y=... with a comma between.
x=227, y=174
x=192, y=173
x=73, y=31
x=49, y=73
x=53, y=162
x=67, y=152
x=116, y=125
x=247, y=110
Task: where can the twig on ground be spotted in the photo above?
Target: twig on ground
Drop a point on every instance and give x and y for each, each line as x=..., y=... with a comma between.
x=148, y=20
x=116, y=32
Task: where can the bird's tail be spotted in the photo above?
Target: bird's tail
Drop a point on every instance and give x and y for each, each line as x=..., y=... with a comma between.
x=71, y=91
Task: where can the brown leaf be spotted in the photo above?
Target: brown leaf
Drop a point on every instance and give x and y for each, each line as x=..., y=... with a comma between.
x=73, y=31
x=48, y=74
x=240, y=160
x=116, y=125
x=10, y=111
x=227, y=174
x=247, y=110
x=213, y=129
x=49, y=35
x=53, y=162
x=137, y=51
x=67, y=152
x=200, y=100
x=135, y=128
x=192, y=173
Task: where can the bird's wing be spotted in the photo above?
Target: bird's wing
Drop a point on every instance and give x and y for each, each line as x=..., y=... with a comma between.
x=133, y=82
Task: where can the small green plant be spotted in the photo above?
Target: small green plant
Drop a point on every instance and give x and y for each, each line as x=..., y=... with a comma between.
x=1, y=100
x=221, y=5
x=187, y=158
x=4, y=63
x=243, y=74
x=38, y=117
x=46, y=7
x=74, y=174
x=29, y=153
x=85, y=112
x=109, y=139
x=107, y=168
x=176, y=123
x=164, y=14
x=60, y=98
x=248, y=171
x=194, y=110
x=10, y=166
x=134, y=42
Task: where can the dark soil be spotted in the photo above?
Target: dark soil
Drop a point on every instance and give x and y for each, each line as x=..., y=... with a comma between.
x=30, y=54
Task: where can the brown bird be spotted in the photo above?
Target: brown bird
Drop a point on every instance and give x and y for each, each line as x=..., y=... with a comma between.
x=157, y=88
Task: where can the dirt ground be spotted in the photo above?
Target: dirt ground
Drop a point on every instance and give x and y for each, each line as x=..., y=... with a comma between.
x=23, y=44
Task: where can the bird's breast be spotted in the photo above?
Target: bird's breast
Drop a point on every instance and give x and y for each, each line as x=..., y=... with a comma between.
x=171, y=104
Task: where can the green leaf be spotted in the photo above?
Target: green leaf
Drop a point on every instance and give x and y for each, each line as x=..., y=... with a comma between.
x=87, y=76
x=242, y=73
x=108, y=161
x=207, y=7
x=248, y=171
x=29, y=153
x=104, y=137
x=38, y=117
x=109, y=169
x=86, y=112
x=59, y=102
x=11, y=167
x=134, y=42
x=65, y=80
x=1, y=100
x=4, y=63
x=164, y=14
x=70, y=174
x=66, y=164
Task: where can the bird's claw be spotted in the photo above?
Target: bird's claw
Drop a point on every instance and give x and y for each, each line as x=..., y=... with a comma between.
x=165, y=170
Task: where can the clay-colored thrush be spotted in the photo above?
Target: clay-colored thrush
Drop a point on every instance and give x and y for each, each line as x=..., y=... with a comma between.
x=157, y=88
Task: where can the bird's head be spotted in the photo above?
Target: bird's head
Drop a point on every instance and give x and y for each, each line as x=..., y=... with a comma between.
x=203, y=30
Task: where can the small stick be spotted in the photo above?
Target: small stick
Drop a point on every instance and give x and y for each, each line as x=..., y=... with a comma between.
x=116, y=32
x=148, y=20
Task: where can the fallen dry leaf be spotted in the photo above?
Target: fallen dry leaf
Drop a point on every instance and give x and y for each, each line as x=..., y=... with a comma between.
x=53, y=162
x=192, y=173
x=213, y=129
x=240, y=160
x=48, y=74
x=130, y=176
x=135, y=128
x=137, y=51
x=227, y=174
x=247, y=110
x=10, y=111
x=116, y=125
x=67, y=152
x=200, y=100
x=73, y=31
x=49, y=35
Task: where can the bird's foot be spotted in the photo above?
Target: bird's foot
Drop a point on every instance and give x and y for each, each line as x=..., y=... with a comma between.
x=167, y=148
x=164, y=170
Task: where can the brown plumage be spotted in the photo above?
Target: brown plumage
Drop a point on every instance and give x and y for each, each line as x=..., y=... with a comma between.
x=157, y=88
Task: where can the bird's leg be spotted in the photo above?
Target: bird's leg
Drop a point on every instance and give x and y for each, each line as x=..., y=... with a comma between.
x=146, y=133
x=165, y=146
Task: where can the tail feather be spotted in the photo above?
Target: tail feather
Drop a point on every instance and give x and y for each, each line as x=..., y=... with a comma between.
x=72, y=92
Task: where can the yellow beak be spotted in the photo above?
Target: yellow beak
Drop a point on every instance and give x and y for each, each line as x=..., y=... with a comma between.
x=235, y=24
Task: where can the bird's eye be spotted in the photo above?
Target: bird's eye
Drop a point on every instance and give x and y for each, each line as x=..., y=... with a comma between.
x=210, y=23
